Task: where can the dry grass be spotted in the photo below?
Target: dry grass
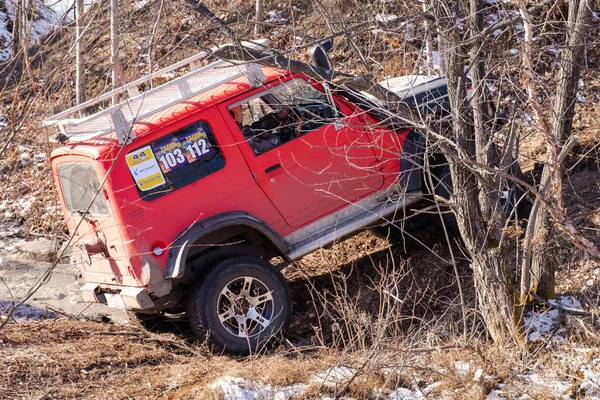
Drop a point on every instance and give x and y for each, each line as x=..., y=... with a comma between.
x=83, y=359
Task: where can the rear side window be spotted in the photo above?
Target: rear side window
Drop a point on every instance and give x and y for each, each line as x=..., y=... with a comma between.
x=79, y=184
x=175, y=160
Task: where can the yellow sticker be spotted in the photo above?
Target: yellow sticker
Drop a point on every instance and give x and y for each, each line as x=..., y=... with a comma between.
x=145, y=169
x=139, y=156
x=151, y=181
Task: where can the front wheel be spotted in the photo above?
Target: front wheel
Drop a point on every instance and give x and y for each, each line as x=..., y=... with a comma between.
x=242, y=305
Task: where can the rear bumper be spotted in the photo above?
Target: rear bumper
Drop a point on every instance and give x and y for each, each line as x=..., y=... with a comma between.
x=124, y=297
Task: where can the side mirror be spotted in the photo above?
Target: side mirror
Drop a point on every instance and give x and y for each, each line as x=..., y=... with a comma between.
x=318, y=54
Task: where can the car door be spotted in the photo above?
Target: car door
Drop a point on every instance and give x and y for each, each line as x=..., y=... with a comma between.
x=326, y=165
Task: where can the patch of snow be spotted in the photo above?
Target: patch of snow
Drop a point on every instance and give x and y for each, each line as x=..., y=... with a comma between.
x=514, y=52
x=276, y=17
x=408, y=30
x=386, y=18
x=45, y=20
x=552, y=384
x=403, y=393
x=333, y=376
x=539, y=324
x=24, y=312
x=20, y=207
x=242, y=389
x=39, y=157
x=139, y=4
x=493, y=18
x=497, y=32
x=462, y=368
x=581, y=98
x=568, y=302
x=496, y=395
x=415, y=394
x=591, y=381
x=553, y=50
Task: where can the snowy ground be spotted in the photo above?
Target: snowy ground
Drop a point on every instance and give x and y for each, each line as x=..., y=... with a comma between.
x=45, y=20
x=23, y=264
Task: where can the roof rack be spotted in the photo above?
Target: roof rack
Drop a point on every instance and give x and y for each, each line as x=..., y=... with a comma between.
x=120, y=117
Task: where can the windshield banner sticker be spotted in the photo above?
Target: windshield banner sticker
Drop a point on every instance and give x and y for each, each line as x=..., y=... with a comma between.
x=175, y=152
x=145, y=169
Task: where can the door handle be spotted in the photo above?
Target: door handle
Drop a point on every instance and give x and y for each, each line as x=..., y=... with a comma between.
x=272, y=168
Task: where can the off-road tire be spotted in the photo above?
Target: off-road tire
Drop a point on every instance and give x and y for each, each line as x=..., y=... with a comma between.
x=208, y=300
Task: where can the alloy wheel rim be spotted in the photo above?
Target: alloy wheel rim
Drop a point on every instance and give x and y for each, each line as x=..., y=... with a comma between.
x=245, y=307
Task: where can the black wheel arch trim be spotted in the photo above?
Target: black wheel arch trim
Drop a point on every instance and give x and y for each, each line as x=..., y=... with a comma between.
x=411, y=161
x=180, y=247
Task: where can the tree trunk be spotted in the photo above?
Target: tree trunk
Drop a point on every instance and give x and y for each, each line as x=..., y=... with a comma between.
x=17, y=28
x=79, y=80
x=542, y=259
x=489, y=259
x=114, y=41
x=429, y=65
x=259, y=17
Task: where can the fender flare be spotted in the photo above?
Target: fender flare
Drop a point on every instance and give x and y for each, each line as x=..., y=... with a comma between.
x=411, y=161
x=180, y=247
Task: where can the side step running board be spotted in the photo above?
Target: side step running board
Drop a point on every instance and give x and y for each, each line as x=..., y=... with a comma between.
x=339, y=227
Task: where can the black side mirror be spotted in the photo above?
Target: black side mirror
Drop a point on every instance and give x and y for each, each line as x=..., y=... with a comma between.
x=318, y=54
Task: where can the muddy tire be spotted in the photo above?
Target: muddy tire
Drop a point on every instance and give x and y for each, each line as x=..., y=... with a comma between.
x=242, y=306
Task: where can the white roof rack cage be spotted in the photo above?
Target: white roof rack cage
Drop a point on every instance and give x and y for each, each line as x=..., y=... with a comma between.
x=120, y=117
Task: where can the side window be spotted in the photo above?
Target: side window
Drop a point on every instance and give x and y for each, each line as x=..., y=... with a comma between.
x=281, y=114
x=175, y=160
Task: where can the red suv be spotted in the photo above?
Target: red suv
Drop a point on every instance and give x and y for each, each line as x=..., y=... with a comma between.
x=196, y=193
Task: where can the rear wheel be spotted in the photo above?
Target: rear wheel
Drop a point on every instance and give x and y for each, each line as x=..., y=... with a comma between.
x=243, y=304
